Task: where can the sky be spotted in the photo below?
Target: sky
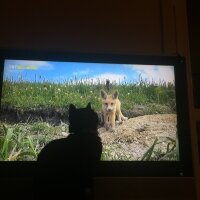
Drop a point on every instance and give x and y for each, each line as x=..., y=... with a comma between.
x=60, y=72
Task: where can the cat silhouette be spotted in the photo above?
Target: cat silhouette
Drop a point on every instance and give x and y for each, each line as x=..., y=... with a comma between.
x=68, y=164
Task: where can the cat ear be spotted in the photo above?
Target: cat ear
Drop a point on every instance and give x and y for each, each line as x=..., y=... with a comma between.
x=89, y=106
x=72, y=108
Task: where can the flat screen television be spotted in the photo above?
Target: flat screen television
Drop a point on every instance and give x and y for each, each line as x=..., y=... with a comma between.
x=38, y=87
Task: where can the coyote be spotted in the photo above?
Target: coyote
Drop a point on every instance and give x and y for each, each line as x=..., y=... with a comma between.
x=111, y=107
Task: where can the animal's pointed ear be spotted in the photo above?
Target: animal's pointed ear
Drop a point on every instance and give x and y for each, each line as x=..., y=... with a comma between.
x=72, y=108
x=115, y=95
x=103, y=94
x=89, y=106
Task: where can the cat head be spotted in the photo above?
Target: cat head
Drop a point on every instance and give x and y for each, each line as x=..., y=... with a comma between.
x=82, y=119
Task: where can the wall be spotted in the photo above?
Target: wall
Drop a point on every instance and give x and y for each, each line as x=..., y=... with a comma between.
x=194, y=32
x=156, y=27
x=79, y=26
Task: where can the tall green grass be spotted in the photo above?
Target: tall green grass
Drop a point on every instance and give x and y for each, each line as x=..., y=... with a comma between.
x=24, y=141
x=25, y=95
x=171, y=153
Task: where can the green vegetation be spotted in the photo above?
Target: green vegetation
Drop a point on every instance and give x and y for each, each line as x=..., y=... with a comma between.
x=172, y=152
x=110, y=153
x=26, y=95
x=23, y=141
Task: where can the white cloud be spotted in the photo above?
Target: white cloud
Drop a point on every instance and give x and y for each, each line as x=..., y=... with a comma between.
x=156, y=73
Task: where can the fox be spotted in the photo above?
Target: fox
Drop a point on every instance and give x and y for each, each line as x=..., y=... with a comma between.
x=111, y=108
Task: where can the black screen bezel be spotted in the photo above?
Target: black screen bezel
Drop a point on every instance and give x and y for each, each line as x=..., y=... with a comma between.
x=182, y=168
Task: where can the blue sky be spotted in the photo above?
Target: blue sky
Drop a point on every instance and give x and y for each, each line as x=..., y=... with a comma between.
x=59, y=72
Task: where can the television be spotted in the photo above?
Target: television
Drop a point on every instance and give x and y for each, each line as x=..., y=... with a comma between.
x=38, y=87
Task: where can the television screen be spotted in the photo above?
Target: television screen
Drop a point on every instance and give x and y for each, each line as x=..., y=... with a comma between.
x=144, y=95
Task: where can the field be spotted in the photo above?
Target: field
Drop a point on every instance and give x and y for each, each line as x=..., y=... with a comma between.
x=21, y=138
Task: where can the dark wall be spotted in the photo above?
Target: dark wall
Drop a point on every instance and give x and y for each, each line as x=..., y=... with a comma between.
x=194, y=34
x=83, y=26
x=194, y=38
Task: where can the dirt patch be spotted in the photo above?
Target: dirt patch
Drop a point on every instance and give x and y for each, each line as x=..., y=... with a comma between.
x=55, y=116
x=136, y=135
x=52, y=116
x=131, y=139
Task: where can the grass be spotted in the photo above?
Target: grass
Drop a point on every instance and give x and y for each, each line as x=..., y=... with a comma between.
x=26, y=95
x=110, y=153
x=171, y=153
x=23, y=141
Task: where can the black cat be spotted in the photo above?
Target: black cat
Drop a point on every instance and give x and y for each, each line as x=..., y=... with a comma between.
x=71, y=161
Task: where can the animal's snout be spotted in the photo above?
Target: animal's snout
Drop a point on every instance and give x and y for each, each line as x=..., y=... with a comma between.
x=109, y=109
